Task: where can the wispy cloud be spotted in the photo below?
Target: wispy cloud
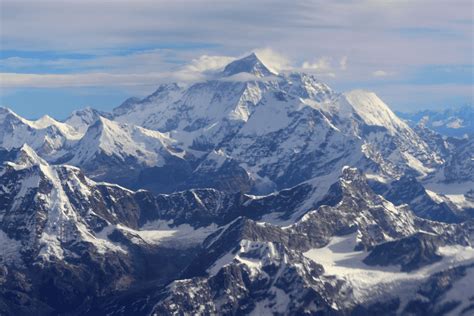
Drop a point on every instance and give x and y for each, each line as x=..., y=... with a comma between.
x=16, y=80
x=322, y=67
x=273, y=59
x=208, y=63
x=366, y=30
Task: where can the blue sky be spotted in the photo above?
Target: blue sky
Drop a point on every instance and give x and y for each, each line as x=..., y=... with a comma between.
x=57, y=56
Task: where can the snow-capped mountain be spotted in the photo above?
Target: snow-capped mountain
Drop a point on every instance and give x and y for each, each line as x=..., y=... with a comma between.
x=456, y=122
x=123, y=140
x=99, y=145
x=252, y=192
x=227, y=119
x=46, y=135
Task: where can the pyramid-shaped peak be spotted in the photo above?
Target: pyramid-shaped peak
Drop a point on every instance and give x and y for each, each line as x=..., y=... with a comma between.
x=45, y=121
x=250, y=64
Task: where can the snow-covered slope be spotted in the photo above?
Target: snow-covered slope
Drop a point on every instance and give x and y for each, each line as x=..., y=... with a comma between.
x=287, y=141
x=374, y=111
x=143, y=112
x=411, y=149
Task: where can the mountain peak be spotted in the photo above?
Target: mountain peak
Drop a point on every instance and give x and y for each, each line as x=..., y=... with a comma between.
x=373, y=110
x=81, y=119
x=7, y=112
x=163, y=90
x=98, y=125
x=249, y=64
x=45, y=121
x=27, y=157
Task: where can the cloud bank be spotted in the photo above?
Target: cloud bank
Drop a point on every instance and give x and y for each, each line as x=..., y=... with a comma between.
x=371, y=44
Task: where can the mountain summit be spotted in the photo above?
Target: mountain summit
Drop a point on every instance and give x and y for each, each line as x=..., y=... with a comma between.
x=250, y=64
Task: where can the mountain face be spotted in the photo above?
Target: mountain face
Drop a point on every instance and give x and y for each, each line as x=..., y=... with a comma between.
x=250, y=193
x=257, y=268
x=457, y=122
x=225, y=122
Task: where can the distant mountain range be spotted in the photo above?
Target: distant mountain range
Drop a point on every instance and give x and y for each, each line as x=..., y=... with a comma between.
x=250, y=193
x=455, y=122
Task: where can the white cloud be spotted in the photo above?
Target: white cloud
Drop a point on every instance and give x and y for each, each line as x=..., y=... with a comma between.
x=153, y=39
x=141, y=69
x=208, y=63
x=22, y=80
x=368, y=31
x=141, y=61
x=322, y=67
x=322, y=64
x=136, y=69
x=273, y=59
x=381, y=73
